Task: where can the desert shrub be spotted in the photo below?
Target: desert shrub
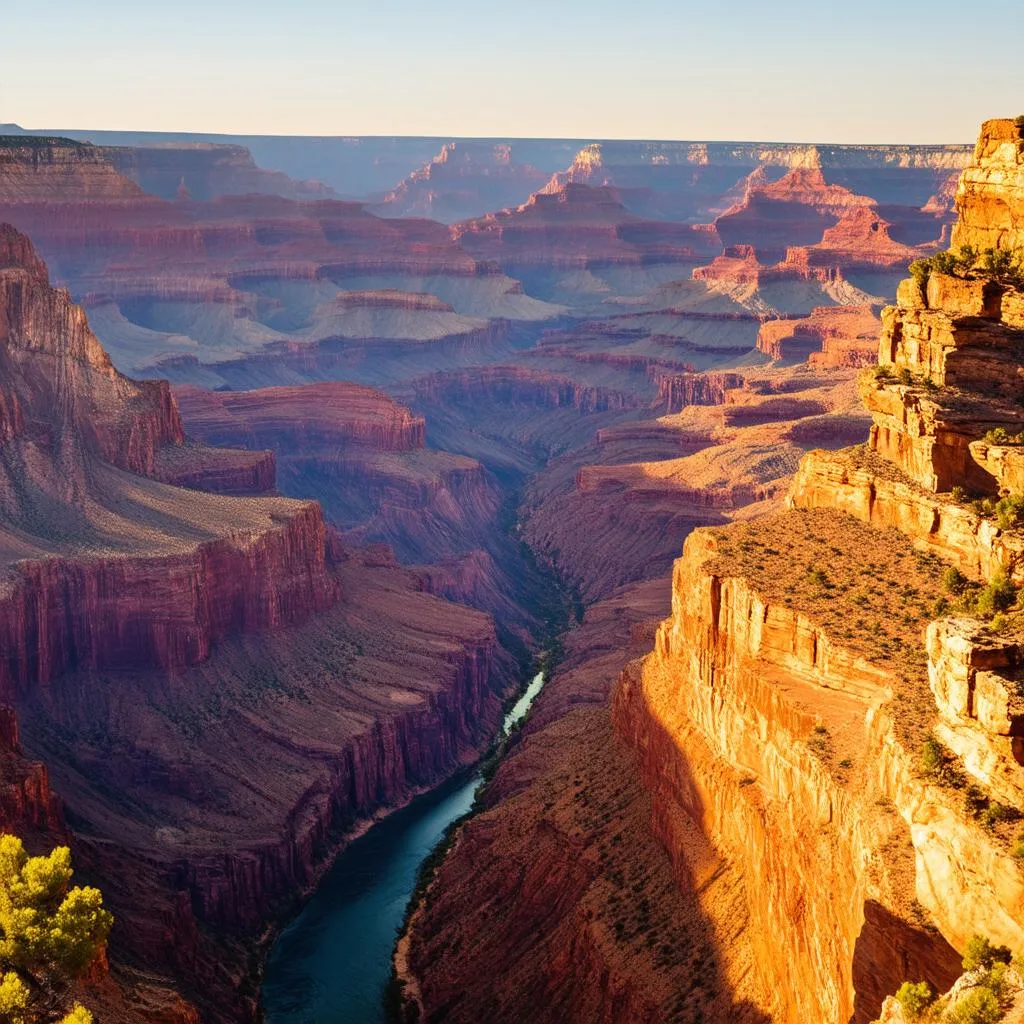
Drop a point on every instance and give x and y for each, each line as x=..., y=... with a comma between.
x=915, y=998
x=954, y=580
x=975, y=803
x=933, y=757
x=959, y=494
x=883, y=371
x=1004, y=265
x=997, y=435
x=920, y=270
x=905, y=376
x=979, y=1007
x=998, y=596
x=1010, y=512
x=996, y=813
x=981, y=953
x=940, y=608
x=1019, y=121
x=1018, y=849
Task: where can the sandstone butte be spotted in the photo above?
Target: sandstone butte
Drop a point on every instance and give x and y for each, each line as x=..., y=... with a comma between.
x=800, y=739
x=219, y=688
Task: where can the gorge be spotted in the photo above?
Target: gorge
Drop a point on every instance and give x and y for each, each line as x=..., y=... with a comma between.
x=306, y=465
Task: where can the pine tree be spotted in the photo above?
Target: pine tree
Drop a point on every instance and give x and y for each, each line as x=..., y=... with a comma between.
x=50, y=934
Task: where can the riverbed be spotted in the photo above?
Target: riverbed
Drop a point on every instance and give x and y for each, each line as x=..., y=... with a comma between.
x=332, y=964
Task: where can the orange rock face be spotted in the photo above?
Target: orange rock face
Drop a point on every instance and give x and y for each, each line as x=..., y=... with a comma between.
x=990, y=196
x=556, y=904
x=831, y=336
x=780, y=724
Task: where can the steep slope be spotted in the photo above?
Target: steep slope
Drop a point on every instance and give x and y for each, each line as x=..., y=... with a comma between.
x=781, y=629
x=811, y=720
x=159, y=642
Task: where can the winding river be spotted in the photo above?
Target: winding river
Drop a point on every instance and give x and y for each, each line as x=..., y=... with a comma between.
x=331, y=965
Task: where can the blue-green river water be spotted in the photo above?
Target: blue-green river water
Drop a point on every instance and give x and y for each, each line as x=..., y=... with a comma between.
x=332, y=964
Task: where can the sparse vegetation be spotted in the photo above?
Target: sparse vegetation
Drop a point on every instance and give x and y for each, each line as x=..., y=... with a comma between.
x=1010, y=512
x=998, y=596
x=1000, y=435
x=977, y=1007
x=915, y=998
x=954, y=581
x=981, y=953
x=1003, y=265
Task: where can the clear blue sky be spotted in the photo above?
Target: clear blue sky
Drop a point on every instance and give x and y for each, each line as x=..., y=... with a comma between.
x=862, y=71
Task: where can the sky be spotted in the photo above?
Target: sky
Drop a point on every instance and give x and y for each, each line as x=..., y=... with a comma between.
x=863, y=71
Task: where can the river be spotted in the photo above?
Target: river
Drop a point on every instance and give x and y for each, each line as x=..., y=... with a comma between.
x=331, y=965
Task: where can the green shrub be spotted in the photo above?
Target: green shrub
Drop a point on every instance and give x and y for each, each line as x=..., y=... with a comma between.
x=940, y=608
x=920, y=271
x=1004, y=265
x=959, y=494
x=1019, y=121
x=905, y=376
x=979, y=1007
x=981, y=953
x=1018, y=850
x=915, y=998
x=1010, y=512
x=975, y=803
x=998, y=596
x=883, y=371
x=997, y=812
x=997, y=435
x=954, y=580
x=933, y=757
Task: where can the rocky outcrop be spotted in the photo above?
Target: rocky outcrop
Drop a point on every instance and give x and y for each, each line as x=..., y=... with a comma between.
x=54, y=367
x=203, y=171
x=301, y=418
x=36, y=169
x=576, y=226
x=990, y=195
x=754, y=721
x=222, y=470
x=27, y=804
x=831, y=336
x=677, y=391
x=870, y=489
x=161, y=612
x=465, y=179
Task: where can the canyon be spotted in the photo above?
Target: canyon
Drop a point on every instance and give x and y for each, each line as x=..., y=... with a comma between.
x=773, y=734
x=375, y=464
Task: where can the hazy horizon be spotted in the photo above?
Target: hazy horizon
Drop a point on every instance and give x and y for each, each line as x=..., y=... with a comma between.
x=658, y=71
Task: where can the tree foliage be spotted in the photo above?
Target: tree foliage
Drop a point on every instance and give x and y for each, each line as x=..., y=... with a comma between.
x=915, y=998
x=50, y=934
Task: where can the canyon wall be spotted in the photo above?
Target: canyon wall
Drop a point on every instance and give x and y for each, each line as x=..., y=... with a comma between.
x=219, y=688
x=825, y=732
